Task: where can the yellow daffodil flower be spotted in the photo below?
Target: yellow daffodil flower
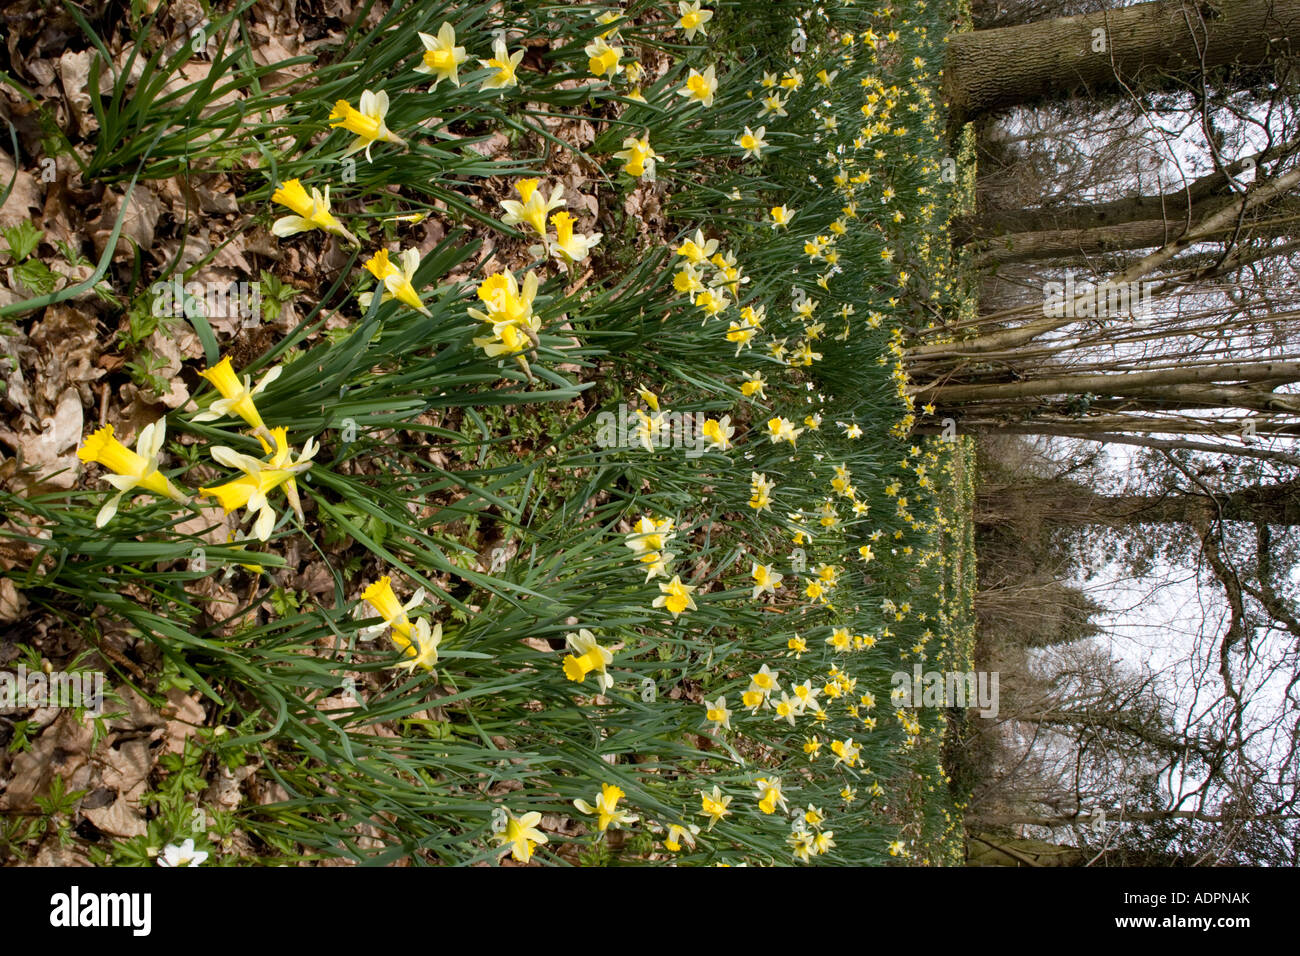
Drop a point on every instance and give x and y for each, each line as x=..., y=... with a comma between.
x=311, y=212
x=415, y=640
x=764, y=680
x=781, y=216
x=505, y=65
x=520, y=836
x=396, y=281
x=590, y=657
x=846, y=751
x=765, y=580
x=237, y=398
x=676, y=596
x=761, y=489
x=753, y=142
x=534, y=208
x=773, y=105
x=802, y=845
x=714, y=805
x=606, y=808
x=131, y=469
x=367, y=122
x=567, y=246
x=718, y=432
x=603, y=59
x=638, y=157
x=679, y=833
x=507, y=301
x=251, y=490
x=770, y=796
x=700, y=87
x=782, y=429
x=717, y=713
x=786, y=709
x=650, y=535
x=692, y=19
x=441, y=56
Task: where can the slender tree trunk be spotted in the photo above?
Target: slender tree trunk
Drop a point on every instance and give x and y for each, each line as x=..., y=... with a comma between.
x=1177, y=205
x=1121, y=237
x=1066, y=503
x=1100, y=53
x=1127, y=383
x=1137, y=816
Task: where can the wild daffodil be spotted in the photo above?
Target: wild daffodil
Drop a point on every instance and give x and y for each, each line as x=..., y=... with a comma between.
x=752, y=141
x=237, y=398
x=716, y=712
x=766, y=581
x=675, y=596
x=397, y=282
x=588, y=656
x=692, y=19
x=131, y=469
x=534, y=208
x=504, y=63
x=251, y=490
x=700, y=87
x=441, y=56
x=310, y=212
x=638, y=157
x=520, y=836
x=714, y=805
x=781, y=216
x=606, y=808
x=567, y=246
x=679, y=833
x=718, y=432
x=603, y=59
x=366, y=121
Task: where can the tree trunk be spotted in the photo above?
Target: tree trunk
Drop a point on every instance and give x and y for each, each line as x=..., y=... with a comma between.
x=1178, y=205
x=1066, y=503
x=1058, y=244
x=986, y=849
x=1098, y=54
x=1138, y=816
x=1125, y=383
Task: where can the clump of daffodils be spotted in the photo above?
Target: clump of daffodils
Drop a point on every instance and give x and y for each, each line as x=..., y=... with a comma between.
x=509, y=312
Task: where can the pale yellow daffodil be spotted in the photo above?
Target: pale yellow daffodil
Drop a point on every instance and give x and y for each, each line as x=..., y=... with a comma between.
x=131, y=469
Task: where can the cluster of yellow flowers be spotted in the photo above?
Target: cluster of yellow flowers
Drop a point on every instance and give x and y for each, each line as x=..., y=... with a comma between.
x=532, y=208
x=138, y=470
